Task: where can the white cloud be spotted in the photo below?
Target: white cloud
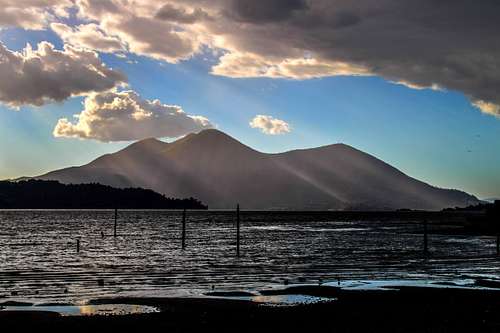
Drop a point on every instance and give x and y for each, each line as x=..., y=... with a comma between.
x=251, y=65
x=270, y=125
x=153, y=38
x=149, y=28
x=125, y=116
x=88, y=36
x=35, y=77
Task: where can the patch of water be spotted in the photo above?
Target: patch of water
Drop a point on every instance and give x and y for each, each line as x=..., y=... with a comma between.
x=86, y=310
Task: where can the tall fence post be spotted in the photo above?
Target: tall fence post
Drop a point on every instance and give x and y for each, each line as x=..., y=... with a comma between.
x=116, y=218
x=238, y=230
x=426, y=241
x=77, y=245
x=184, y=229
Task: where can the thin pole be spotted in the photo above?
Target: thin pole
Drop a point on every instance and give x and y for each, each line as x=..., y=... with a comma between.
x=498, y=243
x=78, y=246
x=184, y=229
x=238, y=230
x=426, y=243
x=116, y=218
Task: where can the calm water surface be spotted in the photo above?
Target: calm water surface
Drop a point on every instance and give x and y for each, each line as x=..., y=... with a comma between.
x=38, y=258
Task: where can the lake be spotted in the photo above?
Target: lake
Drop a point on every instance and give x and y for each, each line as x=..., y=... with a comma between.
x=39, y=261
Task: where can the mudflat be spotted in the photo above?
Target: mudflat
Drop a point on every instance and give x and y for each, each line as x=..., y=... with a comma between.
x=389, y=309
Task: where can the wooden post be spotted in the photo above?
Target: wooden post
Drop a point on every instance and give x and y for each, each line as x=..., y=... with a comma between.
x=184, y=229
x=426, y=245
x=116, y=218
x=498, y=244
x=238, y=230
x=77, y=245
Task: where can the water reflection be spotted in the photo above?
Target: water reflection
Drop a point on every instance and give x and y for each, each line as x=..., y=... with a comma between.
x=87, y=310
x=288, y=299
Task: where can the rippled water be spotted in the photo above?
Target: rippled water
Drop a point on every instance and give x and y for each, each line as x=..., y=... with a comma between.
x=39, y=261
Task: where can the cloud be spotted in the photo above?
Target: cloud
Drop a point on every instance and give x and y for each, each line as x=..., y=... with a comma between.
x=149, y=28
x=32, y=14
x=270, y=125
x=250, y=65
x=488, y=108
x=125, y=116
x=153, y=38
x=36, y=77
x=88, y=36
x=447, y=44
x=265, y=11
x=172, y=13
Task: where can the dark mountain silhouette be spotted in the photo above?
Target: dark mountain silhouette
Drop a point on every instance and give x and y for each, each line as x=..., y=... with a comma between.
x=39, y=194
x=221, y=171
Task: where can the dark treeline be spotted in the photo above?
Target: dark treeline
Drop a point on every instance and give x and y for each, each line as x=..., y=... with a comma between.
x=483, y=218
x=39, y=194
x=482, y=207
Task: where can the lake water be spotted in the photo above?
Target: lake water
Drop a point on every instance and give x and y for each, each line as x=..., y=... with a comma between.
x=39, y=261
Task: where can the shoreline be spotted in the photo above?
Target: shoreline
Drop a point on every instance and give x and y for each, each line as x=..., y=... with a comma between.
x=388, y=307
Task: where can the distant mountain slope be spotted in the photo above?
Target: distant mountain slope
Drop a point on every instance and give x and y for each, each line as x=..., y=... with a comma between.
x=221, y=171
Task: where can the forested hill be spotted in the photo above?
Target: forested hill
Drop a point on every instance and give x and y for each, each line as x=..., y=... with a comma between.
x=39, y=194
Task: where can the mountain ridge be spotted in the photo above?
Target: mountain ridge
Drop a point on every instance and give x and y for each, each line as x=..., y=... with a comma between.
x=220, y=171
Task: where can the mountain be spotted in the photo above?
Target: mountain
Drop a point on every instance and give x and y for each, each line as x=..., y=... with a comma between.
x=220, y=171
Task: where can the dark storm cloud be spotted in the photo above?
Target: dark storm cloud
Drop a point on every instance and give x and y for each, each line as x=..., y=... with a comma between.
x=428, y=43
x=265, y=11
x=172, y=13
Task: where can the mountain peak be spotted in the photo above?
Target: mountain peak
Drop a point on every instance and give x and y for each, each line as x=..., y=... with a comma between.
x=213, y=133
x=149, y=141
x=149, y=144
x=211, y=138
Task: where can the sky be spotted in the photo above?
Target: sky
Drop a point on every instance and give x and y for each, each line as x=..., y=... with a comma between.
x=415, y=84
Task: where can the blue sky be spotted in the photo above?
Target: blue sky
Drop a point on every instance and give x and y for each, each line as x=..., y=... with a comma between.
x=432, y=135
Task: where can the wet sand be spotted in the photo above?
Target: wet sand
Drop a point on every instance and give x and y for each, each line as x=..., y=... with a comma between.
x=391, y=308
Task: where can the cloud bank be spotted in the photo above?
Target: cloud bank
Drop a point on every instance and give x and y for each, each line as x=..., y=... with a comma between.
x=35, y=77
x=270, y=125
x=125, y=116
x=450, y=44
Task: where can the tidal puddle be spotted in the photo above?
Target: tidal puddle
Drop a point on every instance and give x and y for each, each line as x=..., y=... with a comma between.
x=86, y=310
x=275, y=300
x=284, y=300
